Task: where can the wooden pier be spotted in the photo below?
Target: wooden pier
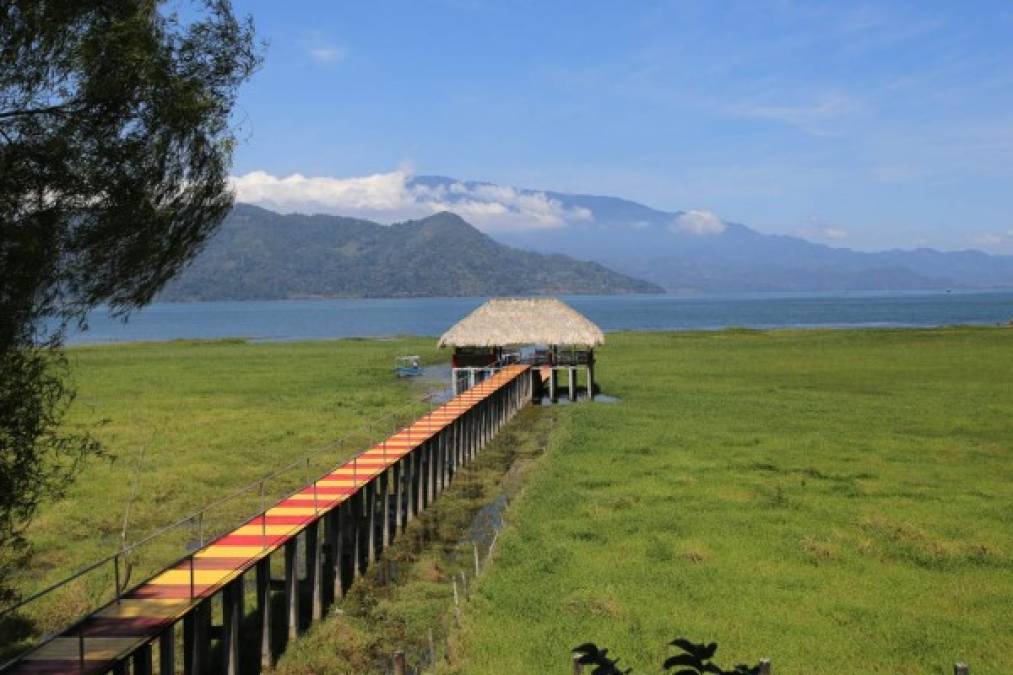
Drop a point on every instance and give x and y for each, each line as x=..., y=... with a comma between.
x=342, y=521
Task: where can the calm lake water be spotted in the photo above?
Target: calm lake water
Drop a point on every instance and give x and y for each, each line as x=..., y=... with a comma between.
x=317, y=319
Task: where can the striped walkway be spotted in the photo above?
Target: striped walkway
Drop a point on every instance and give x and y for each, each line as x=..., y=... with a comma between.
x=120, y=628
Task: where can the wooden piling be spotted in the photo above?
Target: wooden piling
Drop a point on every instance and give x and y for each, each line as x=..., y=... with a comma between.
x=400, y=667
x=197, y=639
x=370, y=522
x=315, y=568
x=232, y=615
x=142, y=661
x=358, y=547
x=385, y=513
x=263, y=581
x=291, y=588
x=571, y=383
x=167, y=651
x=398, y=473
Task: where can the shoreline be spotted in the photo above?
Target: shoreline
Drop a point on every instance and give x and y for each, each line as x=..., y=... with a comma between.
x=786, y=328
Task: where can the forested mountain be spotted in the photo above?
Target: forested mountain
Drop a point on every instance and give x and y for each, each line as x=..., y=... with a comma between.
x=259, y=254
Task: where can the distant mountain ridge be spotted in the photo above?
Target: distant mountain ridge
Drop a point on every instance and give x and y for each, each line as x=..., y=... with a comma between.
x=647, y=243
x=259, y=254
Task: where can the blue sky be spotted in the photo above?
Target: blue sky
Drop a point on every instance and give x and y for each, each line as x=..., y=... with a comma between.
x=868, y=125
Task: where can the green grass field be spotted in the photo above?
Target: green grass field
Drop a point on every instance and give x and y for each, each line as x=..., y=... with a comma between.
x=838, y=501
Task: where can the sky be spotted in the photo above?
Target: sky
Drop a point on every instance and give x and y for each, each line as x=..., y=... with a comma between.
x=866, y=125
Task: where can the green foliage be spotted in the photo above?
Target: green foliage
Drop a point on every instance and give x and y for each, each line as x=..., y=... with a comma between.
x=36, y=460
x=258, y=254
x=837, y=501
x=695, y=659
x=114, y=158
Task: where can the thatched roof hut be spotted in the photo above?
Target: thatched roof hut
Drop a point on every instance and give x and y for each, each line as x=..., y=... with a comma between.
x=504, y=322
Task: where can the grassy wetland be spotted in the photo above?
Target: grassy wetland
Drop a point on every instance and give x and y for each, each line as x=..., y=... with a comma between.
x=837, y=501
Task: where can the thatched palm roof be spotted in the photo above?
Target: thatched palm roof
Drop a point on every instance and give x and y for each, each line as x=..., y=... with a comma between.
x=523, y=321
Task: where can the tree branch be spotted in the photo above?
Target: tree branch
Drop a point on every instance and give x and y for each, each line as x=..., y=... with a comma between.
x=50, y=110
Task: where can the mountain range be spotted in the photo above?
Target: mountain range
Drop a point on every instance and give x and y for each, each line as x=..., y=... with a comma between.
x=591, y=245
x=259, y=254
x=659, y=247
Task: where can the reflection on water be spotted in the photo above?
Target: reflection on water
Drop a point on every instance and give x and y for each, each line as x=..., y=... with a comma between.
x=581, y=398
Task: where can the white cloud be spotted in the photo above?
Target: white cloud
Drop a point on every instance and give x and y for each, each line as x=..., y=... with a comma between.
x=393, y=196
x=812, y=117
x=699, y=223
x=327, y=54
x=820, y=231
x=987, y=239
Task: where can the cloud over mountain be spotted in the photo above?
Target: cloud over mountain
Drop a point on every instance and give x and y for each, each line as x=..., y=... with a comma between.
x=700, y=223
x=395, y=196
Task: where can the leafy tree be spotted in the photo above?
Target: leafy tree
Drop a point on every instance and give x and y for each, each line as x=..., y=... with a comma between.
x=115, y=147
x=695, y=659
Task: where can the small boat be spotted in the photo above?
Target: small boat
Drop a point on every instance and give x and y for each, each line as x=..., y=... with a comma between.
x=407, y=366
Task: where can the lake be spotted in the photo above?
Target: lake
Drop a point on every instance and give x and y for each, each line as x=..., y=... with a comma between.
x=319, y=319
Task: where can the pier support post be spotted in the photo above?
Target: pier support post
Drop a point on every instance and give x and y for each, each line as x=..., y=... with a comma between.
x=441, y=461
x=142, y=660
x=197, y=640
x=361, y=532
x=420, y=479
x=291, y=588
x=590, y=381
x=385, y=507
x=315, y=568
x=553, y=384
x=371, y=522
x=263, y=578
x=232, y=614
x=339, y=549
x=167, y=651
x=398, y=475
x=430, y=472
x=571, y=383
